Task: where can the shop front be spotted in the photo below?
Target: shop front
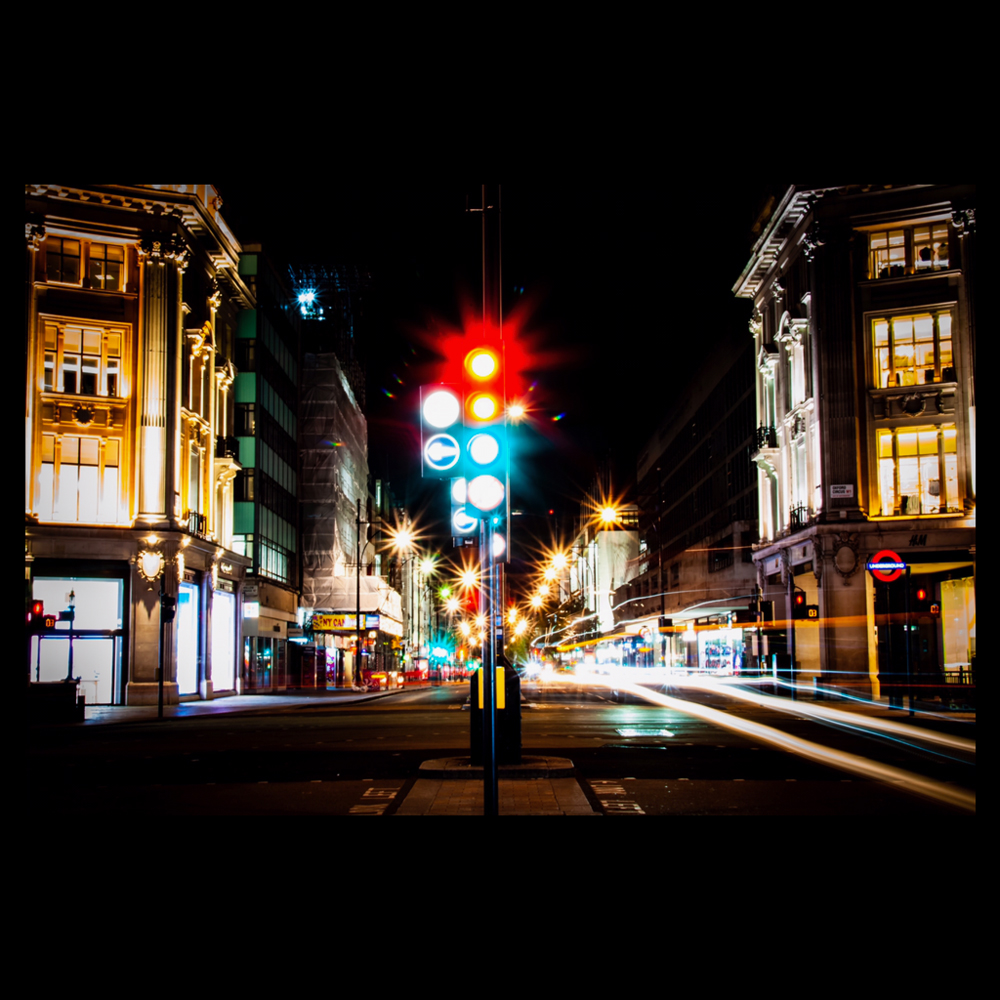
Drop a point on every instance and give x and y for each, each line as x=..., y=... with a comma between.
x=89, y=646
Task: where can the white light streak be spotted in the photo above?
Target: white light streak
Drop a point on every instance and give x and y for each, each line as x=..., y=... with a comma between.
x=927, y=787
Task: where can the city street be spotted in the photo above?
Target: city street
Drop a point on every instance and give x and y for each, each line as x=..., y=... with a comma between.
x=316, y=756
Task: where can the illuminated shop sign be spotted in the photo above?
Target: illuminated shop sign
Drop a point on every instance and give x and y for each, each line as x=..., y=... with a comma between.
x=336, y=623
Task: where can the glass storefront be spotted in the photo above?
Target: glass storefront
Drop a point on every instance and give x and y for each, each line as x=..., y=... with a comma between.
x=96, y=657
x=223, y=641
x=187, y=638
x=721, y=651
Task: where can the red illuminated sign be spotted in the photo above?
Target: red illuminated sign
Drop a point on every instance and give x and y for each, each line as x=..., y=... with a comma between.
x=886, y=566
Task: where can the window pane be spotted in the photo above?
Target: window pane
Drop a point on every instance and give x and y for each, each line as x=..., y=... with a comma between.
x=89, y=449
x=111, y=450
x=71, y=373
x=950, y=436
x=88, y=493
x=909, y=485
x=88, y=380
x=48, y=448
x=886, y=488
x=885, y=444
x=109, y=494
x=70, y=450
x=951, y=482
x=930, y=483
x=927, y=441
x=72, y=339
x=112, y=276
x=906, y=443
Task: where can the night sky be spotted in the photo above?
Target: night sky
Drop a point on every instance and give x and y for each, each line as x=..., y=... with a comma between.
x=622, y=289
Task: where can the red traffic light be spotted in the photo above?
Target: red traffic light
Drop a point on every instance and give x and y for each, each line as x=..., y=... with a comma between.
x=921, y=594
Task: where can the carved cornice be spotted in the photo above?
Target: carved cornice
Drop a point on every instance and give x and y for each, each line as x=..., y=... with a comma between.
x=201, y=340
x=215, y=296
x=225, y=372
x=812, y=241
x=964, y=220
x=161, y=247
x=767, y=358
x=35, y=235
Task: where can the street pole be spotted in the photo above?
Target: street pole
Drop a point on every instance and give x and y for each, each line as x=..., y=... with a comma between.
x=491, y=788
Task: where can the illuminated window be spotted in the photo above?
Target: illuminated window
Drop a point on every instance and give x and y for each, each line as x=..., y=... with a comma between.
x=918, y=470
x=62, y=260
x=912, y=350
x=81, y=360
x=893, y=253
x=106, y=266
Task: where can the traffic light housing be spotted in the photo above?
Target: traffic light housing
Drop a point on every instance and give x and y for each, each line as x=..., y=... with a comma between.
x=464, y=524
x=442, y=432
x=923, y=603
x=38, y=621
x=168, y=607
x=799, y=605
x=484, y=456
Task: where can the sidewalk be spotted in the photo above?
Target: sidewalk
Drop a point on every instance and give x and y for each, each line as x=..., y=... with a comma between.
x=246, y=704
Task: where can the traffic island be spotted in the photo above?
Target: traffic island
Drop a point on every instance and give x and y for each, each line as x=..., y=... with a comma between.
x=456, y=768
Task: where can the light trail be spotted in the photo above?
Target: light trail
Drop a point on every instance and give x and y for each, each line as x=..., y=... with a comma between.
x=852, y=763
x=839, y=715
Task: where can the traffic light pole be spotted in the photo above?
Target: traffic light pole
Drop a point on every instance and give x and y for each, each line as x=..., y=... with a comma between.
x=487, y=564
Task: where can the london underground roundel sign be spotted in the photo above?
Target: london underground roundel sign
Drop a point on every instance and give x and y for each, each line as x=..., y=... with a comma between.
x=886, y=566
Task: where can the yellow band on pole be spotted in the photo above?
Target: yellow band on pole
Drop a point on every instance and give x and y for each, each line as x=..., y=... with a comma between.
x=501, y=700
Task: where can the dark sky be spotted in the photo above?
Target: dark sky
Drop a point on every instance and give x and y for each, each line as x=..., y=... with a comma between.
x=626, y=287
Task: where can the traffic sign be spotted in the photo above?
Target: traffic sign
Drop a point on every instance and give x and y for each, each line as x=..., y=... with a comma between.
x=442, y=452
x=886, y=566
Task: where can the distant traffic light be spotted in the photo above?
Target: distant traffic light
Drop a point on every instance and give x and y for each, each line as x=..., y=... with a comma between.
x=168, y=607
x=37, y=620
x=485, y=445
x=923, y=604
x=799, y=605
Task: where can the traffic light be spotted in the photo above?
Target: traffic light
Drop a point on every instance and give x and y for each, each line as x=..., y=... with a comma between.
x=923, y=603
x=799, y=605
x=464, y=526
x=168, y=607
x=485, y=418
x=500, y=536
x=38, y=621
x=441, y=431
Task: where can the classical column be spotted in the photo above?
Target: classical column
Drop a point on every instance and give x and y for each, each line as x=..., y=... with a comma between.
x=162, y=256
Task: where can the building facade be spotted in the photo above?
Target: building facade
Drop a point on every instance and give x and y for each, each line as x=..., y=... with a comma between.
x=132, y=303
x=266, y=506
x=697, y=494
x=864, y=333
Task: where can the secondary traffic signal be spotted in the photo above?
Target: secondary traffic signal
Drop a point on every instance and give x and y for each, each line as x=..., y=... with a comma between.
x=441, y=431
x=168, y=607
x=38, y=621
x=799, y=604
x=464, y=525
x=485, y=445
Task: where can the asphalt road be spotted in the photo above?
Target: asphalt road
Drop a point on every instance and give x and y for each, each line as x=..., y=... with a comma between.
x=631, y=759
